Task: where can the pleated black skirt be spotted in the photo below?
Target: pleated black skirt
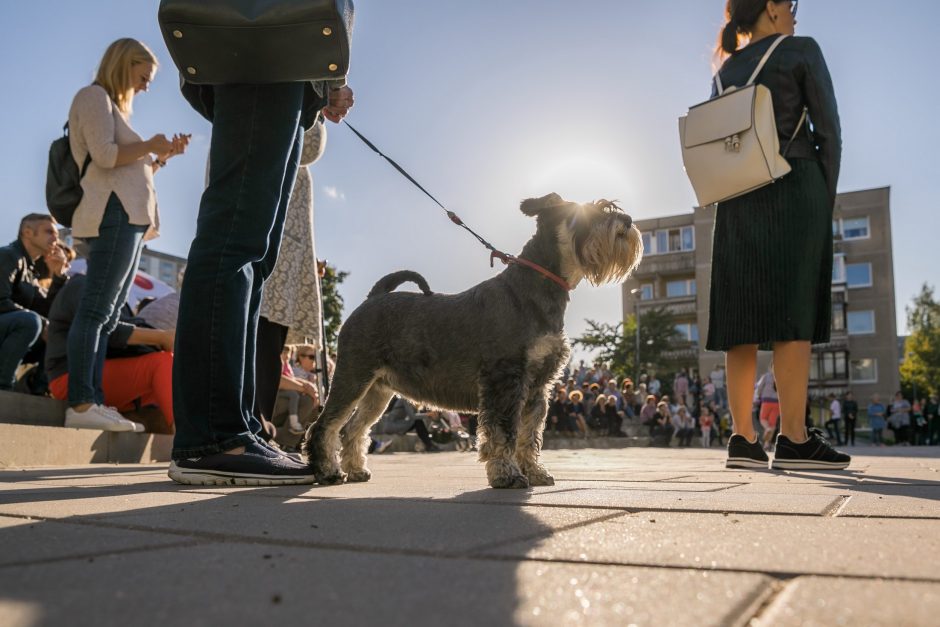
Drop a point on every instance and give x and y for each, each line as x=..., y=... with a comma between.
x=772, y=263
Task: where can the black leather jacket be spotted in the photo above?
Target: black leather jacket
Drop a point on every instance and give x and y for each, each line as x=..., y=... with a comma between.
x=797, y=76
x=19, y=287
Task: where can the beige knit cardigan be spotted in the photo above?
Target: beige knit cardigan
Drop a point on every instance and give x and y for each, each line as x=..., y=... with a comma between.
x=97, y=127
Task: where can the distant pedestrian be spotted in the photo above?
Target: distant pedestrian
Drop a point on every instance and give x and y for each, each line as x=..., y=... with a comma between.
x=876, y=420
x=900, y=419
x=850, y=416
x=834, y=424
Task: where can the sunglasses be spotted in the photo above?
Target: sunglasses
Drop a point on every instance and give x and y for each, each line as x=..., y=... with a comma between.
x=305, y=356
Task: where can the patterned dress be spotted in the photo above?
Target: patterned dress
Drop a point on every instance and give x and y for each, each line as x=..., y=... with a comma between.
x=292, y=293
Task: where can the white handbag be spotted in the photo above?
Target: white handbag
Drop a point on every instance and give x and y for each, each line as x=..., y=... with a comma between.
x=729, y=143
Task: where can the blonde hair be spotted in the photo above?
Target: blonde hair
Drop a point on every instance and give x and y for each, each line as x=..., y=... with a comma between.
x=114, y=71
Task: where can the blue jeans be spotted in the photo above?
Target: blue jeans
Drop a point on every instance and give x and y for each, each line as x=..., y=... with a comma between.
x=253, y=161
x=18, y=331
x=113, y=258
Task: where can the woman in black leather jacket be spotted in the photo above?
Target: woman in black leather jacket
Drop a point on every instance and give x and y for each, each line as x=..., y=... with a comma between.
x=772, y=251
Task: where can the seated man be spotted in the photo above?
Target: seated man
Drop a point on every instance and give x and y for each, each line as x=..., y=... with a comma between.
x=22, y=300
x=401, y=418
x=142, y=376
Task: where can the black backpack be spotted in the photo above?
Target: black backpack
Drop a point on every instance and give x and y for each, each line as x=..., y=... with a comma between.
x=63, y=180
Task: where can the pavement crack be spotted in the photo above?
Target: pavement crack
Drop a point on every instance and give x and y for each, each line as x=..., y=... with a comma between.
x=775, y=591
x=836, y=506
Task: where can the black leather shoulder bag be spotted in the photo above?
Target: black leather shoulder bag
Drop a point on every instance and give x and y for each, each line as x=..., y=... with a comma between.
x=218, y=42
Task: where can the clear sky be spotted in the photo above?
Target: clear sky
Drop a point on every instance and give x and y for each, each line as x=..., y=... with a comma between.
x=492, y=101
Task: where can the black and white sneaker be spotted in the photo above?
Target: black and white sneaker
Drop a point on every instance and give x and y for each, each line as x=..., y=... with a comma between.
x=744, y=454
x=257, y=466
x=814, y=454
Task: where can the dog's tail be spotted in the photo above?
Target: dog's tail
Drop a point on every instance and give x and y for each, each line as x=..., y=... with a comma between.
x=389, y=282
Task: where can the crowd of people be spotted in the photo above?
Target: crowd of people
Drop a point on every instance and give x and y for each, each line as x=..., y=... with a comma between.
x=589, y=401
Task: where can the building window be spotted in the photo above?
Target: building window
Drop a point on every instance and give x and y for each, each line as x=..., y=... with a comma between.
x=858, y=274
x=828, y=366
x=144, y=264
x=688, y=332
x=855, y=228
x=678, y=289
x=838, y=268
x=669, y=241
x=861, y=322
x=662, y=242
x=646, y=291
x=838, y=316
x=864, y=371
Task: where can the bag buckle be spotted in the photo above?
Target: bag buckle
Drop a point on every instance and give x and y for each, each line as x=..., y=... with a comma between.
x=733, y=144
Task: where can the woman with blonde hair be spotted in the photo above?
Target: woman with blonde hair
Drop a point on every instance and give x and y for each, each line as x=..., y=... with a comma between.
x=772, y=261
x=118, y=211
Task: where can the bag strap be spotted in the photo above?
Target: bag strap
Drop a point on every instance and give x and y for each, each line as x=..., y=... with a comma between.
x=765, y=58
x=760, y=66
x=799, y=125
x=65, y=132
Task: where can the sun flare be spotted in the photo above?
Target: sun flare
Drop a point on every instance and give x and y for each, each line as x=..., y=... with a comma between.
x=582, y=177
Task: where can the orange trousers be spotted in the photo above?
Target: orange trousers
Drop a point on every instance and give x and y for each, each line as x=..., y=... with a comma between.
x=148, y=378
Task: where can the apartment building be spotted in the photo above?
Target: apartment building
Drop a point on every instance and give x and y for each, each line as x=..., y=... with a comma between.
x=862, y=355
x=162, y=266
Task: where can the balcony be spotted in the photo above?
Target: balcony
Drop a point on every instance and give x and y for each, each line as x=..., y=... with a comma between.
x=681, y=351
x=667, y=264
x=679, y=306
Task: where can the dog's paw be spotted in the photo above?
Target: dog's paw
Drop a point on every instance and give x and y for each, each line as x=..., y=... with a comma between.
x=331, y=479
x=358, y=476
x=511, y=482
x=540, y=477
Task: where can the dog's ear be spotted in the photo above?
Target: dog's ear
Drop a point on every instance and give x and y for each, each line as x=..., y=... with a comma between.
x=534, y=206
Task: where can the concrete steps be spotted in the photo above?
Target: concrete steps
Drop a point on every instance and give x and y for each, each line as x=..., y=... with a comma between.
x=33, y=433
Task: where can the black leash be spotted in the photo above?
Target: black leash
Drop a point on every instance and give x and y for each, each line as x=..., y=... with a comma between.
x=494, y=252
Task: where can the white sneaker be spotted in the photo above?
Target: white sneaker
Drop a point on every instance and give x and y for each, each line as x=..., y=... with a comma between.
x=97, y=417
x=137, y=427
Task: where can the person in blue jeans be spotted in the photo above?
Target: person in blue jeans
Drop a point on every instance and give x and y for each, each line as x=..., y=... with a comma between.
x=117, y=212
x=21, y=297
x=254, y=154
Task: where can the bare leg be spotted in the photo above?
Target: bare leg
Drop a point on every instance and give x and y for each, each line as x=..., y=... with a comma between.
x=791, y=369
x=741, y=366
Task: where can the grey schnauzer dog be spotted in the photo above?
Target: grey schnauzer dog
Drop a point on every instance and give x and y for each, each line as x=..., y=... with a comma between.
x=495, y=349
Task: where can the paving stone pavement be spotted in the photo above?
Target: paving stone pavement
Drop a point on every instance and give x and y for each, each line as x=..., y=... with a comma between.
x=632, y=536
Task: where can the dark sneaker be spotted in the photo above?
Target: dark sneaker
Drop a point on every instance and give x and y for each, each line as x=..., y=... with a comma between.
x=257, y=466
x=275, y=448
x=814, y=454
x=744, y=454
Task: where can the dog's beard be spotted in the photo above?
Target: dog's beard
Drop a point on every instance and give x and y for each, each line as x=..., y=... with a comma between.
x=609, y=252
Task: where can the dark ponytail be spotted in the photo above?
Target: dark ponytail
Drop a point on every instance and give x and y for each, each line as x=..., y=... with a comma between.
x=729, y=38
x=740, y=16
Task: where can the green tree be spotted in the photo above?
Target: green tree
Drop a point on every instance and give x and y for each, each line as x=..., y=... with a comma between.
x=616, y=343
x=332, y=305
x=921, y=365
